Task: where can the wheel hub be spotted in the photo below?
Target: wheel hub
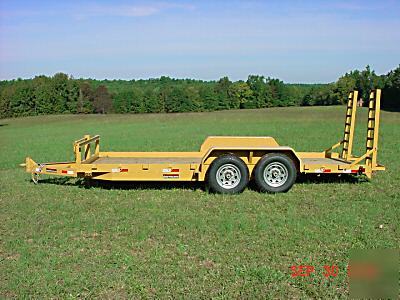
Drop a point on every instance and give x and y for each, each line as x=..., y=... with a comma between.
x=276, y=174
x=228, y=176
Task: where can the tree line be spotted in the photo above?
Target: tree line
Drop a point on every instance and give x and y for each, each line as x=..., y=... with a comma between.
x=62, y=94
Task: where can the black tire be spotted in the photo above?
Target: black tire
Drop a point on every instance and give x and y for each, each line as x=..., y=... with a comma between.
x=228, y=174
x=275, y=173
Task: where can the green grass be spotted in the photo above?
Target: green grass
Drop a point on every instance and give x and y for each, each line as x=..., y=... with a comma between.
x=69, y=240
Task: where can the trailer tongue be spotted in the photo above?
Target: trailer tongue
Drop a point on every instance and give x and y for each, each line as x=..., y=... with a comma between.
x=225, y=163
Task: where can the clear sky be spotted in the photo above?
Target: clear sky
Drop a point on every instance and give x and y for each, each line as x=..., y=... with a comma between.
x=296, y=41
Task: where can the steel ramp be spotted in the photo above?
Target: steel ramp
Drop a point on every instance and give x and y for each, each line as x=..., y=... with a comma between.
x=349, y=126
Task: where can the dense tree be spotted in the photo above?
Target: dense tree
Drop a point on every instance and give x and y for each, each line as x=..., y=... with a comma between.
x=195, y=101
x=6, y=93
x=260, y=92
x=241, y=95
x=151, y=101
x=278, y=92
x=208, y=96
x=102, y=102
x=63, y=94
x=391, y=90
x=123, y=102
x=22, y=101
x=222, y=91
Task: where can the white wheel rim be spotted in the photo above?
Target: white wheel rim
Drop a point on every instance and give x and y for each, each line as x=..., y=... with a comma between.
x=228, y=176
x=276, y=174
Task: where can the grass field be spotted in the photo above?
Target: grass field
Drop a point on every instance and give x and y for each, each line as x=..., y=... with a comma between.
x=68, y=240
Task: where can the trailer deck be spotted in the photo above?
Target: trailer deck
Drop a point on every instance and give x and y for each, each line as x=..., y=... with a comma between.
x=226, y=163
x=146, y=160
x=325, y=161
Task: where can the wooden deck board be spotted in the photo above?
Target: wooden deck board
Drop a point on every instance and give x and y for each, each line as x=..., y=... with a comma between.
x=324, y=161
x=147, y=160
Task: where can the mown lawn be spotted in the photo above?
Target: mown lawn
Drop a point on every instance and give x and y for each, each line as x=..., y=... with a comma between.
x=68, y=240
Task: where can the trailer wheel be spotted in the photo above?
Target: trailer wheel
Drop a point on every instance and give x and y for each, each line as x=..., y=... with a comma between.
x=228, y=174
x=275, y=173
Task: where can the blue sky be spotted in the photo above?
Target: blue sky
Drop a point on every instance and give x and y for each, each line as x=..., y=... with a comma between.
x=296, y=41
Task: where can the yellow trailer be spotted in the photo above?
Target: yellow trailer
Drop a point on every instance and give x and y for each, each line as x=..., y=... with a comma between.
x=225, y=163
